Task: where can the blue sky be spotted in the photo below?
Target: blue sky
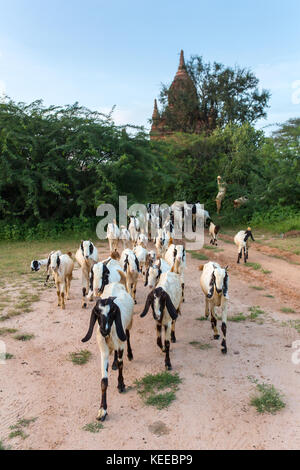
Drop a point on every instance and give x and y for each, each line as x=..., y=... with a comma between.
x=105, y=53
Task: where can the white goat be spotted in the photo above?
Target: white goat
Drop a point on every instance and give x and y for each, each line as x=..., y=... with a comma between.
x=141, y=254
x=162, y=242
x=105, y=273
x=113, y=235
x=165, y=302
x=177, y=253
x=37, y=264
x=114, y=314
x=142, y=240
x=241, y=241
x=134, y=229
x=86, y=256
x=125, y=237
x=131, y=268
x=214, y=284
x=213, y=233
x=154, y=272
x=62, y=268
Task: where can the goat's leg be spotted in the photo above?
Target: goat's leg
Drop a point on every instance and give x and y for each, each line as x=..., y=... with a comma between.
x=121, y=385
x=134, y=292
x=182, y=290
x=68, y=286
x=129, y=350
x=58, y=295
x=115, y=363
x=224, y=324
x=206, y=307
x=167, y=346
x=62, y=295
x=158, y=332
x=214, y=322
x=173, y=337
x=85, y=286
x=102, y=413
x=239, y=256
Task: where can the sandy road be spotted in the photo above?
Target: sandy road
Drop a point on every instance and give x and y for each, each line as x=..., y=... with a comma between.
x=212, y=409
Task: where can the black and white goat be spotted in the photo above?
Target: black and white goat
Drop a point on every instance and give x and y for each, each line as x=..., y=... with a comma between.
x=214, y=284
x=241, y=241
x=86, y=256
x=131, y=268
x=104, y=273
x=62, y=268
x=134, y=229
x=154, y=272
x=177, y=253
x=114, y=315
x=213, y=233
x=165, y=302
x=37, y=264
x=113, y=235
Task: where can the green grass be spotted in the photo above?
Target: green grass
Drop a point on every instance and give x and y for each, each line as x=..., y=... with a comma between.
x=18, y=433
x=257, y=288
x=2, y=446
x=198, y=345
x=6, y=356
x=23, y=423
x=287, y=310
x=202, y=319
x=269, y=296
x=255, y=311
x=237, y=318
x=266, y=271
x=214, y=248
x=7, y=331
x=255, y=266
x=161, y=400
x=199, y=256
x=24, y=337
x=81, y=357
x=149, y=386
x=268, y=399
x=93, y=427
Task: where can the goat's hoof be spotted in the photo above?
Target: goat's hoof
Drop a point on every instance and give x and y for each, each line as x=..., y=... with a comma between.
x=130, y=357
x=63, y=307
x=101, y=415
x=114, y=366
x=173, y=338
x=224, y=351
x=121, y=388
x=84, y=305
x=168, y=367
x=135, y=302
x=216, y=336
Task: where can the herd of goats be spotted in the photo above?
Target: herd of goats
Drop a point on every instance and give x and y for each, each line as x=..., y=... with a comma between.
x=113, y=283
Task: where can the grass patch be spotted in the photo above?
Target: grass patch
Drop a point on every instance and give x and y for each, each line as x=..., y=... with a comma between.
x=269, y=296
x=2, y=446
x=202, y=319
x=287, y=310
x=199, y=256
x=93, y=427
x=255, y=311
x=237, y=318
x=268, y=399
x=149, y=386
x=257, y=288
x=6, y=356
x=255, y=266
x=81, y=357
x=7, y=331
x=266, y=271
x=202, y=346
x=18, y=433
x=24, y=337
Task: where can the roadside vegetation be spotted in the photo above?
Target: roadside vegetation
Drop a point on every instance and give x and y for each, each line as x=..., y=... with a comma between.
x=158, y=390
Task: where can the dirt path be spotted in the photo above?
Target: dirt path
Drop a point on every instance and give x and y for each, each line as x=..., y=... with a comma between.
x=212, y=408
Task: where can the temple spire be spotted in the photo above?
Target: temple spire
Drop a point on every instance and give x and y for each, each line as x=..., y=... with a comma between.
x=155, y=114
x=181, y=63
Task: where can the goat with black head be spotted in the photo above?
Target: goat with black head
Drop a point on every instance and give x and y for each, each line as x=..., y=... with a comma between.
x=242, y=242
x=214, y=284
x=165, y=301
x=114, y=315
x=86, y=256
x=62, y=268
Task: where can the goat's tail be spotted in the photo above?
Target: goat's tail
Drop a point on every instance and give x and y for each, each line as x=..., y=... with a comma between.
x=201, y=267
x=175, y=268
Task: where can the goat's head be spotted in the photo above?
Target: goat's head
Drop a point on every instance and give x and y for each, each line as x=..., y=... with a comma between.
x=220, y=279
x=87, y=248
x=55, y=261
x=153, y=275
x=99, y=278
x=106, y=312
x=158, y=300
x=35, y=265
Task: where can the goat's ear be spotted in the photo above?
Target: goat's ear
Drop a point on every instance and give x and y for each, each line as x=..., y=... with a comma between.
x=147, y=278
x=91, y=327
x=119, y=327
x=227, y=268
x=170, y=307
x=58, y=261
x=92, y=279
x=48, y=262
x=91, y=248
x=148, y=303
x=201, y=267
x=81, y=245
